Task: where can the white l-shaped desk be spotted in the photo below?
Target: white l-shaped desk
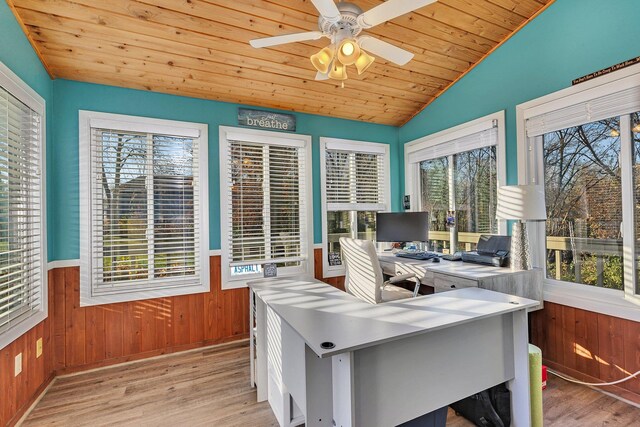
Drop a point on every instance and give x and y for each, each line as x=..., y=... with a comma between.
x=448, y=275
x=383, y=364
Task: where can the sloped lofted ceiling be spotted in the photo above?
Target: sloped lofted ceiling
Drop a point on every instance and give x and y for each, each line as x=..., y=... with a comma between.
x=200, y=48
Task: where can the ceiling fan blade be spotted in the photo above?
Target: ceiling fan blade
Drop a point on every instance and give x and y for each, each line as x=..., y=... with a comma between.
x=327, y=9
x=385, y=50
x=389, y=10
x=322, y=76
x=285, y=38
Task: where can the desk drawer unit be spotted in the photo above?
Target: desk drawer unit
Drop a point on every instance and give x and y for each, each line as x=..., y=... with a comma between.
x=445, y=282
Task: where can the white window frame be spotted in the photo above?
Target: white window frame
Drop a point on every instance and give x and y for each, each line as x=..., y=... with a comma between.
x=413, y=155
x=21, y=90
x=227, y=134
x=355, y=147
x=611, y=302
x=199, y=133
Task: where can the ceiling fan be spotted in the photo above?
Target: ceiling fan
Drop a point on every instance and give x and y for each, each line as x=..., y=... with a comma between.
x=343, y=23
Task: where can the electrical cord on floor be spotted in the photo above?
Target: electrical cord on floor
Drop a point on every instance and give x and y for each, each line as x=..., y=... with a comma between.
x=592, y=384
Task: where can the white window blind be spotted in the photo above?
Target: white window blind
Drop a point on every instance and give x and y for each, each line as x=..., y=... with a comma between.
x=145, y=219
x=266, y=204
x=482, y=138
x=611, y=105
x=21, y=250
x=144, y=222
x=354, y=177
x=355, y=180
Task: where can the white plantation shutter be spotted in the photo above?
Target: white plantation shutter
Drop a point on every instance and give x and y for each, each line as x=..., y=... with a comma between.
x=266, y=203
x=21, y=251
x=355, y=180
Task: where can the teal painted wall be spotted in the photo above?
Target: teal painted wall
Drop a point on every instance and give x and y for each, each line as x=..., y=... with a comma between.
x=568, y=40
x=17, y=54
x=70, y=97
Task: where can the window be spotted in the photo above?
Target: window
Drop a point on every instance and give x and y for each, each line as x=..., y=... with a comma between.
x=23, y=287
x=144, y=209
x=355, y=185
x=454, y=176
x=582, y=180
x=266, y=206
x=583, y=144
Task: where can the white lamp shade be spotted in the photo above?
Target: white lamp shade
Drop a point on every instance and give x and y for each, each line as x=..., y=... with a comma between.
x=521, y=202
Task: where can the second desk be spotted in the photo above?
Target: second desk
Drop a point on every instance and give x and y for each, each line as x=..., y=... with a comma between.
x=450, y=275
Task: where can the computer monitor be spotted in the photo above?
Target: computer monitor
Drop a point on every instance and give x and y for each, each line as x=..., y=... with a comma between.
x=402, y=227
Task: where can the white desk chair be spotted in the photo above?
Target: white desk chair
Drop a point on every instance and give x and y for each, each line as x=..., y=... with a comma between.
x=364, y=277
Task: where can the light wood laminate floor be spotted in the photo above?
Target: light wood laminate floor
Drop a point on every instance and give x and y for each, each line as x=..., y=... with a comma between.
x=211, y=387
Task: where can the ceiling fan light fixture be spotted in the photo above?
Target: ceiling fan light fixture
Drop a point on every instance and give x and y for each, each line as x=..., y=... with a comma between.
x=338, y=71
x=322, y=60
x=343, y=22
x=364, y=61
x=348, y=52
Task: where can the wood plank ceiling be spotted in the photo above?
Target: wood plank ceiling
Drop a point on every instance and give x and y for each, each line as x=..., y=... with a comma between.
x=200, y=48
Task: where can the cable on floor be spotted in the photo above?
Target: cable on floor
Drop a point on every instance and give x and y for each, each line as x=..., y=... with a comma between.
x=557, y=374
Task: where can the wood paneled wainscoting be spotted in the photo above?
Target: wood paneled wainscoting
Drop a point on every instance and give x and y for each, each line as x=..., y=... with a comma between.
x=78, y=338
x=17, y=393
x=589, y=346
x=336, y=282
x=89, y=337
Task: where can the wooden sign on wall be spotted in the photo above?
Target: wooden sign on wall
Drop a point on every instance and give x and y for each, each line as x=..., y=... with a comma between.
x=607, y=70
x=266, y=120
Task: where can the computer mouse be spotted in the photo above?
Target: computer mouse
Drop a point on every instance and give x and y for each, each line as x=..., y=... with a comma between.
x=436, y=259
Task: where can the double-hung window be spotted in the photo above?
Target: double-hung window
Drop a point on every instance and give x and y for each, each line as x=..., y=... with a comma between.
x=144, y=208
x=23, y=286
x=265, y=204
x=355, y=185
x=454, y=175
x=583, y=145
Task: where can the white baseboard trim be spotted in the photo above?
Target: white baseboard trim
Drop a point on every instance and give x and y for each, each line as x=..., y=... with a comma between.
x=63, y=263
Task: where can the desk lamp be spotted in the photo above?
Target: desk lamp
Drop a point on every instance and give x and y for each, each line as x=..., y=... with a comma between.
x=521, y=203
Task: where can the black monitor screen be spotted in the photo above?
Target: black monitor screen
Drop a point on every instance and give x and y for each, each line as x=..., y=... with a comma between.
x=402, y=227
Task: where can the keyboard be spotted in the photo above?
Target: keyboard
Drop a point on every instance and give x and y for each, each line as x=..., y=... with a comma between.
x=453, y=257
x=417, y=255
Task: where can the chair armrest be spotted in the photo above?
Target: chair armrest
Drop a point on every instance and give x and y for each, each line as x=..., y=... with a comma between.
x=402, y=278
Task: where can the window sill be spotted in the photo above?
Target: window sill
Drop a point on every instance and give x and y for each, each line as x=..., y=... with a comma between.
x=603, y=301
x=21, y=328
x=336, y=272
x=89, y=300
x=229, y=284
